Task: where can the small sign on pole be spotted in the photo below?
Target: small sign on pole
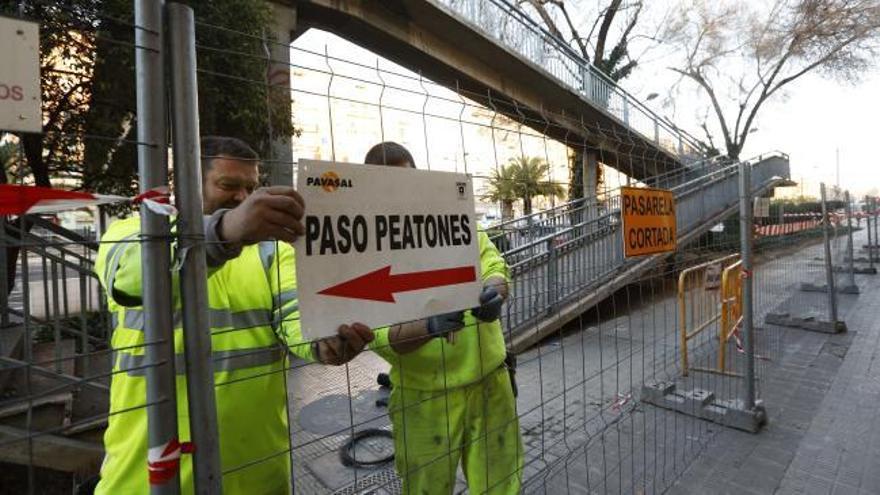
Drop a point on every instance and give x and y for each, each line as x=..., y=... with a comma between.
x=383, y=245
x=648, y=217
x=762, y=208
x=712, y=277
x=20, y=77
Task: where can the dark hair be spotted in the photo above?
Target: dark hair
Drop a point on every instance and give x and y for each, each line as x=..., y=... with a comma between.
x=388, y=153
x=229, y=147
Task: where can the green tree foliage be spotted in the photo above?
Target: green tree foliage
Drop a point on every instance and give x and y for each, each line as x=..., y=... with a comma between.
x=88, y=84
x=8, y=159
x=523, y=178
x=502, y=190
x=87, y=77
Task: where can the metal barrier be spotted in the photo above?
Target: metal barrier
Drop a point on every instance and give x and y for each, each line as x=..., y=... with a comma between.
x=704, y=299
x=731, y=310
x=507, y=24
x=590, y=252
x=577, y=423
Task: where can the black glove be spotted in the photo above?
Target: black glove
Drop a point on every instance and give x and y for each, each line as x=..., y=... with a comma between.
x=490, y=305
x=439, y=325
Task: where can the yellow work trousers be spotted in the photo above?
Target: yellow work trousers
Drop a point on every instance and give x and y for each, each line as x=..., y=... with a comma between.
x=475, y=424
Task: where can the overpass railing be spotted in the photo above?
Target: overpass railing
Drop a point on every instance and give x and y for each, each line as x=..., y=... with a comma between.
x=581, y=245
x=508, y=25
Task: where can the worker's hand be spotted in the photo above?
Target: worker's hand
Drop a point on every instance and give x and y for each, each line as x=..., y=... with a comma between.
x=439, y=325
x=348, y=343
x=269, y=213
x=490, y=304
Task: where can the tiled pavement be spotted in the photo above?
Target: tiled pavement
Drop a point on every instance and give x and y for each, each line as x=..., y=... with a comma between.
x=823, y=397
x=643, y=449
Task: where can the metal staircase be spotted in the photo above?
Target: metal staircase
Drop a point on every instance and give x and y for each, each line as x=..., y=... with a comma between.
x=54, y=357
x=571, y=257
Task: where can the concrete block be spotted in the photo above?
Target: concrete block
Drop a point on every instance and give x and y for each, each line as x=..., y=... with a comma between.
x=656, y=389
x=859, y=270
x=807, y=322
x=860, y=260
x=843, y=289
x=702, y=398
x=703, y=404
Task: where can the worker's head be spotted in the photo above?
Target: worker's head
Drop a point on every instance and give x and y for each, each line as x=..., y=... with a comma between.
x=230, y=172
x=389, y=153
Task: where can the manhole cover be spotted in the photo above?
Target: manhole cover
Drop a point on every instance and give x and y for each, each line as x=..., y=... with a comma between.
x=380, y=483
x=339, y=479
x=333, y=414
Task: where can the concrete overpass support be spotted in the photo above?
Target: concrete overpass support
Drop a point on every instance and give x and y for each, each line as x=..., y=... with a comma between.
x=277, y=45
x=591, y=184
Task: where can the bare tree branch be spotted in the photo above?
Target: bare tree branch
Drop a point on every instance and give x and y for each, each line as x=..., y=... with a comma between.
x=606, y=30
x=538, y=5
x=575, y=35
x=607, y=19
x=752, y=54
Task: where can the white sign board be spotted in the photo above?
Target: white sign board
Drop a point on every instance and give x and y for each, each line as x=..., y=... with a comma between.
x=383, y=245
x=762, y=208
x=712, y=277
x=20, y=76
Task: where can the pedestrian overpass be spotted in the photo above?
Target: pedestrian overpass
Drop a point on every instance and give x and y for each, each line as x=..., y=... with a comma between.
x=491, y=52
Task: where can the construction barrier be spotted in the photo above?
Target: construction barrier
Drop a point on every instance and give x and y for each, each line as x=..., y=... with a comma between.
x=709, y=293
x=731, y=310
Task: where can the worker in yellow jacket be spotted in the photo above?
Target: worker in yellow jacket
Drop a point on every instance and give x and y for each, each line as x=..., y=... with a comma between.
x=253, y=307
x=453, y=398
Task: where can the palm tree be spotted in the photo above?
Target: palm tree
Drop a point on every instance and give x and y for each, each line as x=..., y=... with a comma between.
x=522, y=178
x=531, y=180
x=502, y=190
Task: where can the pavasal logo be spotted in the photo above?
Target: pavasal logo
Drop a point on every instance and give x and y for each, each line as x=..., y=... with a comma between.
x=328, y=181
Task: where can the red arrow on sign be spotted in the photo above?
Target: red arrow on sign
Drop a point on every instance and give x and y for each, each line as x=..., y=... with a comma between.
x=380, y=285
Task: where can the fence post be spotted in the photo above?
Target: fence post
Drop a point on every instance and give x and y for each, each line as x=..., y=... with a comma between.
x=552, y=275
x=870, y=238
x=155, y=255
x=4, y=274
x=191, y=248
x=746, y=231
x=850, y=247
x=829, y=270
x=874, y=240
x=872, y=205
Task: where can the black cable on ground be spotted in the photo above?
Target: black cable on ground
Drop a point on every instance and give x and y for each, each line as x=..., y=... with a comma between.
x=345, y=452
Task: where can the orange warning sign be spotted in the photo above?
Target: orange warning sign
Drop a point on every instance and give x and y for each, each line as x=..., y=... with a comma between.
x=648, y=217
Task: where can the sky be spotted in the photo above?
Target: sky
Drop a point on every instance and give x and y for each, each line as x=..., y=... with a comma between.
x=811, y=121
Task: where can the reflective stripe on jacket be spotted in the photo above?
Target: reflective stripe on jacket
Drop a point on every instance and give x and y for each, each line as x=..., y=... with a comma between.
x=252, y=302
x=478, y=350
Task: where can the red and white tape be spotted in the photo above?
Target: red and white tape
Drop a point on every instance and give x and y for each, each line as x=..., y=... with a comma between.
x=621, y=401
x=23, y=200
x=163, y=461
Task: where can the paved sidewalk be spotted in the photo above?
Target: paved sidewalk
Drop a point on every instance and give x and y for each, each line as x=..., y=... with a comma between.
x=822, y=396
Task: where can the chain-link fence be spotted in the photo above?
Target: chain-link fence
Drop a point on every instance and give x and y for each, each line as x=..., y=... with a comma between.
x=130, y=350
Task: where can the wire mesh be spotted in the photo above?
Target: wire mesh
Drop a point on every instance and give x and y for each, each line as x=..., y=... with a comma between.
x=589, y=327
x=55, y=337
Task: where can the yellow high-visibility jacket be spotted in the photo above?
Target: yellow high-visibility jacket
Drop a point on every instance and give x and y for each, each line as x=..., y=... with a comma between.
x=438, y=365
x=253, y=307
